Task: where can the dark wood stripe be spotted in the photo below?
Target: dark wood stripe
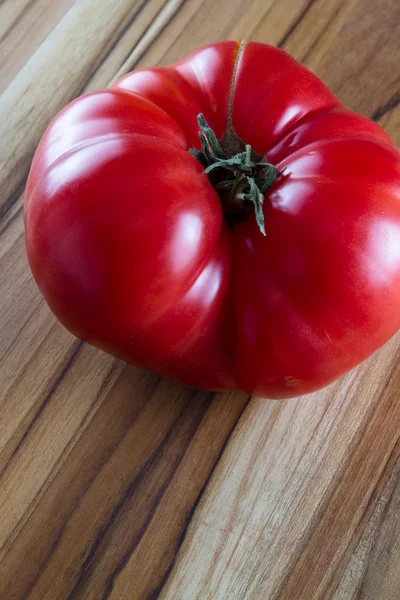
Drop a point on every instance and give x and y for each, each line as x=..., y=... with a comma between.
x=322, y=33
x=133, y=65
x=197, y=401
x=325, y=506
x=90, y=561
x=157, y=591
x=381, y=111
x=20, y=16
x=375, y=497
x=21, y=326
x=96, y=67
x=74, y=506
x=14, y=197
x=43, y=405
x=9, y=218
x=376, y=493
x=295, y=24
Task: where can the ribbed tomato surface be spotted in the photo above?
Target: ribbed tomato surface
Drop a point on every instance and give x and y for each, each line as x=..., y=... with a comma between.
x=127, y=240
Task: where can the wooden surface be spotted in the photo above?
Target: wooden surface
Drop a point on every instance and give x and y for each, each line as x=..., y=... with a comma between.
x=116, y=484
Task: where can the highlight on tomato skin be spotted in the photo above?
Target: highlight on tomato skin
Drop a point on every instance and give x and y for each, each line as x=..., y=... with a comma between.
x=224, y=221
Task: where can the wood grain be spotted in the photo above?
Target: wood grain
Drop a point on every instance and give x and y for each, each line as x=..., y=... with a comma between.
x=116, y=484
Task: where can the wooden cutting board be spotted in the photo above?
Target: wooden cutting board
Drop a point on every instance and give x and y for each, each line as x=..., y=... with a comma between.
x=116, y=484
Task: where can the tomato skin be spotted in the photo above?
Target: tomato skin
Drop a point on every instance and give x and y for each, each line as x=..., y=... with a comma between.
x=127, y=241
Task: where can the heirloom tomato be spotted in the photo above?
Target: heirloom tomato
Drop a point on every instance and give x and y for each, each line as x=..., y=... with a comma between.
x=261, y=255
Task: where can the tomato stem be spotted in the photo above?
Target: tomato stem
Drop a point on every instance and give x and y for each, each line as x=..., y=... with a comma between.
x=239, y=175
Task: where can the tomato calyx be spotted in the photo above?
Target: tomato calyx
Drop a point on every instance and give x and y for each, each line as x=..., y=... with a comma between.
x=239, y=175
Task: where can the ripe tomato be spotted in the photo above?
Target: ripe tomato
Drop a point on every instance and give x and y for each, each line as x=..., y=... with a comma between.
x=139, y=251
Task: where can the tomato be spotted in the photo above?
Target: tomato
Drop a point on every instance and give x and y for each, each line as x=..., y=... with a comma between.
x=142, y=253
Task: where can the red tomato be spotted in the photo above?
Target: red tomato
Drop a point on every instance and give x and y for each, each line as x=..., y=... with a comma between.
x=130, y=245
